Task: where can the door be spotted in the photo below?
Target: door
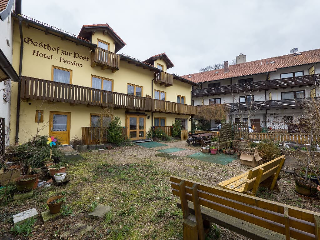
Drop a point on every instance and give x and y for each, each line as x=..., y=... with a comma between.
x=59, y=126
x=255, y=125
x=136, y=127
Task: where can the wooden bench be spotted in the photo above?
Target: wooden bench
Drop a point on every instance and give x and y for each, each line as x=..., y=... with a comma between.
x=250, y=181
x=250, y=216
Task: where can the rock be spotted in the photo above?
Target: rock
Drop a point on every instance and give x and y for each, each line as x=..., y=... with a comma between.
x=100, y=211
x=46, y=216
x=24, y=215
x=78, y=229
x=21, y=196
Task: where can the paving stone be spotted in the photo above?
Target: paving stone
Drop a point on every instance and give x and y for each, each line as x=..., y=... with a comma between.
x=46, y=216
x=78, y=230
x=21, y=196
x=100, y=211
x=25, y=215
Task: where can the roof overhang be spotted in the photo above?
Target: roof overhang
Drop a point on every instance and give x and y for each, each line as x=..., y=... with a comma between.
x=6, y=12
x=87, y=31
x=6, y=69
x=161, y=56
x=54, y=31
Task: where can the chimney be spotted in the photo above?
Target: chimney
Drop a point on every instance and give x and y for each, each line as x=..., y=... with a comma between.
x=17, y=7
x=226, y=66
x=241, y=58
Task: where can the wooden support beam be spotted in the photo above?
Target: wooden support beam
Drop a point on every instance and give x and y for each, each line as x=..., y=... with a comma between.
x=197, y=211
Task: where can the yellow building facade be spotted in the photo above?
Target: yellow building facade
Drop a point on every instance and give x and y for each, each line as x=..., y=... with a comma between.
x=71, y=84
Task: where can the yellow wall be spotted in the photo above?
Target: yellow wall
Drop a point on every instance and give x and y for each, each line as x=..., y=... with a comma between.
x=170, y=118
x=38, y=61
x=178, y=88
x=161, y=62
x=103, y=37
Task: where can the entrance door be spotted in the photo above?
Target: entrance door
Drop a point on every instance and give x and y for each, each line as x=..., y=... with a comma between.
x=136, y=127
x=59, y=126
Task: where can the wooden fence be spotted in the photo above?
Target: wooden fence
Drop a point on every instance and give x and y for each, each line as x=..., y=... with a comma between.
x=282, y=137
x=97, y=135
x=166, y=129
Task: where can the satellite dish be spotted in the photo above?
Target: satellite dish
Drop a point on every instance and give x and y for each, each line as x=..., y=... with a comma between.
x=294, y=50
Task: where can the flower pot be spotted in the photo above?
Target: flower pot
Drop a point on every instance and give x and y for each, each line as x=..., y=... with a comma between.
x=213, y=151
x=54, y=207
x=26, y=183
x=307, y=188
x=53, y=171
x=59, y=177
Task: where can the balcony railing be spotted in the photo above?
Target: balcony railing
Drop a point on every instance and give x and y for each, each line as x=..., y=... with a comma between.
x=164, y=78
x=166, y=129
x=256, y=86
x=269, y=104
x=105, y=59
x=38, y=89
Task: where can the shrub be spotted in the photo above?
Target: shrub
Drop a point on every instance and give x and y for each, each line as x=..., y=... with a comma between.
x=115, y=131
x=160, y=134
x=34, y=152
x=176, y=129
x=268, y=150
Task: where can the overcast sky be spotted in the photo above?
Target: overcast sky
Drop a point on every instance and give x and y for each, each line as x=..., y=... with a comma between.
x=193, y=33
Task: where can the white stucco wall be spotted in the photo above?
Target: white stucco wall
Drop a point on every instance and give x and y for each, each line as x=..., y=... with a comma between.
x=6, y=47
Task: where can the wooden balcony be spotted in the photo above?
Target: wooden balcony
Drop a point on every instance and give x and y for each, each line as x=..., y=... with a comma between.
x=163, y=78
x=307, y=80
x=105, y=59
x=269, y=104
x=39, y=89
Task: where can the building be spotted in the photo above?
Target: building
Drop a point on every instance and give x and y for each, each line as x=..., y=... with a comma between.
x=265, y=93
x=72, y=85
x=7, y=73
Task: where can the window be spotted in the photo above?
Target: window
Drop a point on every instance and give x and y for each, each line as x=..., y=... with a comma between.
x=99, y=120
x=104, y=45
x=245, y=81
x=102, y=83
x=292, y=74
x=39, y=116
x=214, y=85
x=159, y=122
x=214, y=101
x=246, y=99
x=237, y=120
x=134, y=90
x=181, y=99
x=159, y=66
x=160, y=95
x=61, y=75
x=292, y=95
x=288, y=119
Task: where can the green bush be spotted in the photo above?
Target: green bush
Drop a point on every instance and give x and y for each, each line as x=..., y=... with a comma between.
x=6, y=193
x=160, y=134
x=176, y=129
x=268, y=150
x=115, y=131
x=34, y=152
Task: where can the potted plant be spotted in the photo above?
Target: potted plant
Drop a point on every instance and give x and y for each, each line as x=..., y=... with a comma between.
x=58, y=168
x=213, y=150
x=54, y=204
x=26, y=183
x=59, y=177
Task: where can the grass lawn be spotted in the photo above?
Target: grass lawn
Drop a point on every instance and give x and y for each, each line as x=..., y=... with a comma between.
x=134, y=181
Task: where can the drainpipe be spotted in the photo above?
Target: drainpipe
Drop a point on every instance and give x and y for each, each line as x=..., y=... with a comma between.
x=19, y=83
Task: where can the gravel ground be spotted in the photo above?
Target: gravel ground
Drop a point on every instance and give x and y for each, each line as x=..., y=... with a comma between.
x=174, y=164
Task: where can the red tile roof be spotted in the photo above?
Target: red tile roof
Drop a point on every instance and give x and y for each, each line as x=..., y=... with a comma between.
x=3, y=4
x=159, y=56
x=258, y=66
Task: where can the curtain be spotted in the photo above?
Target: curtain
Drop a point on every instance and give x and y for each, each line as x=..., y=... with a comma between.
x=59, y=122
x=61, y=76
x=107, y=85
x=95, y=121
x=96, y=83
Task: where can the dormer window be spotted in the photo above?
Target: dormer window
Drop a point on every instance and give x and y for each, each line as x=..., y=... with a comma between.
x=104, y=45
x=159, y=66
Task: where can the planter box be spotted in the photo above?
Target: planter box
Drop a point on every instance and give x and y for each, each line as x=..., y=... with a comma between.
x=213, y=151
x=205, y=150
